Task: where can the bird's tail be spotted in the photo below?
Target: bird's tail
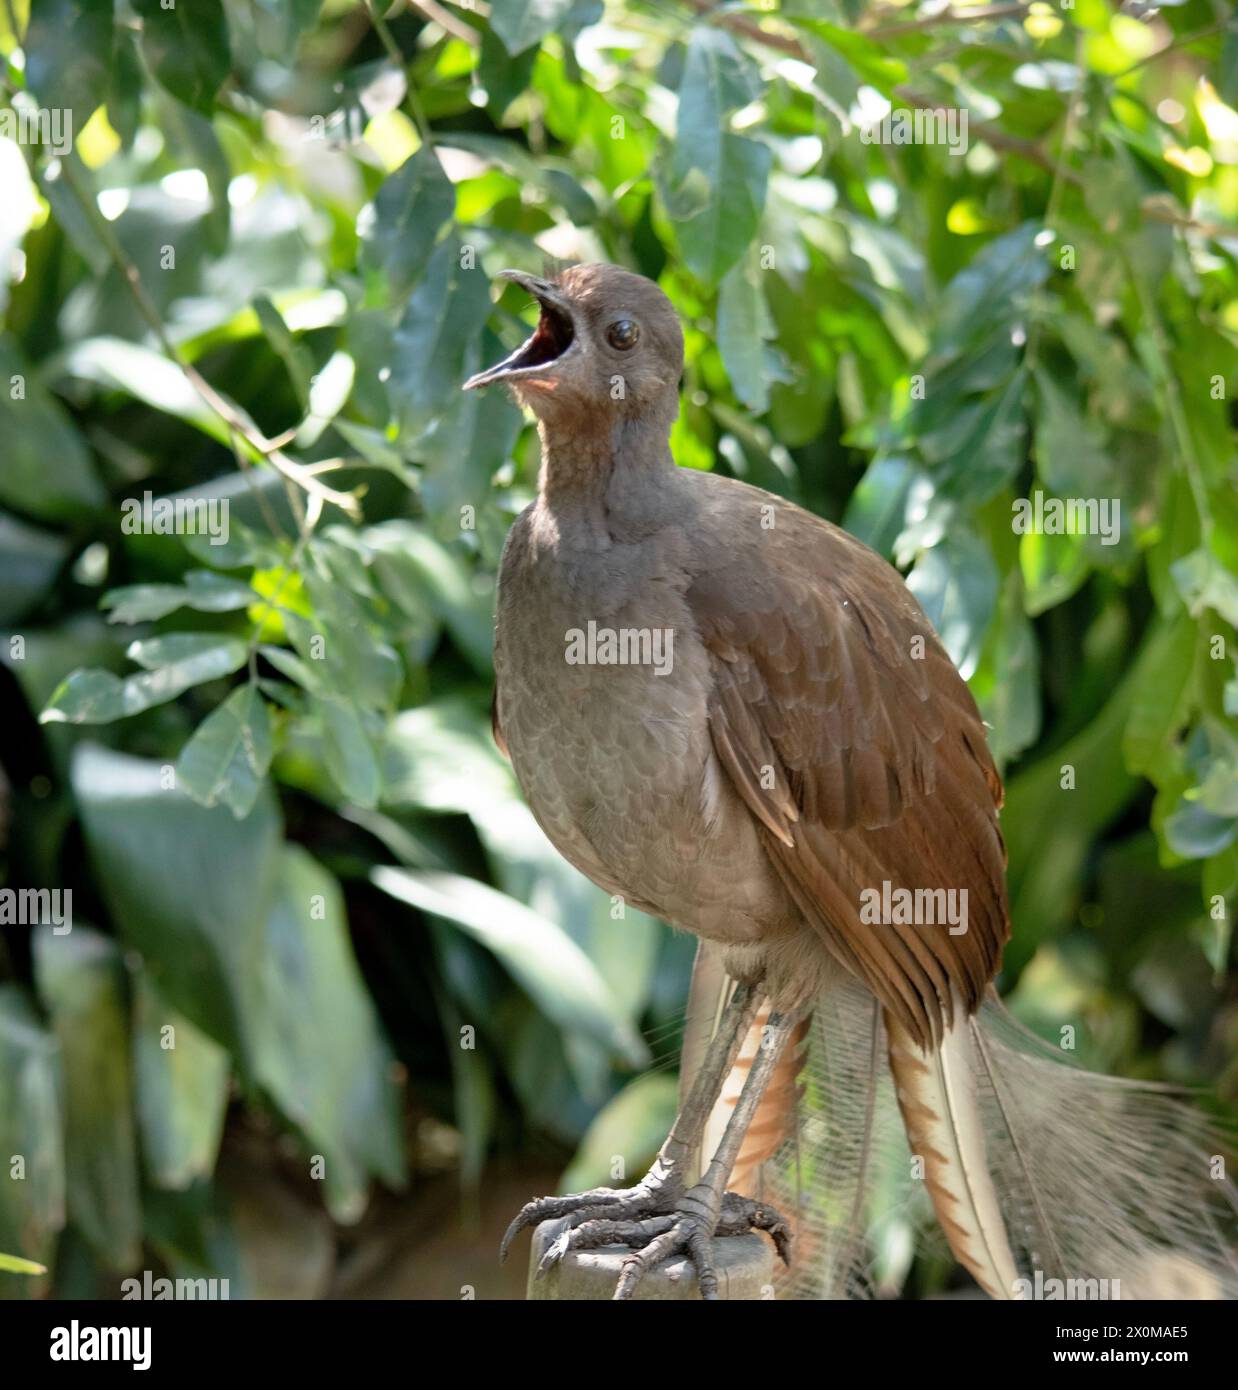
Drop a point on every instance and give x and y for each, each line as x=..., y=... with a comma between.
x=1037, y=1171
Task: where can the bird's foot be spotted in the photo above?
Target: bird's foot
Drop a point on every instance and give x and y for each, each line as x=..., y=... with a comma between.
x=655, y=1195
x=688, y=1228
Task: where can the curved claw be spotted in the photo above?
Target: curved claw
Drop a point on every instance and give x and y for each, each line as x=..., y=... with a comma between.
x=586, y=1234
x=602, y=1201
x=684, y=1236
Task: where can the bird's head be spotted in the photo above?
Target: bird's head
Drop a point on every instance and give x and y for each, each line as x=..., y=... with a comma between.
x=608, y=342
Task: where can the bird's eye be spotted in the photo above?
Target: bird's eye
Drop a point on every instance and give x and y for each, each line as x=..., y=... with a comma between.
x=623, y=334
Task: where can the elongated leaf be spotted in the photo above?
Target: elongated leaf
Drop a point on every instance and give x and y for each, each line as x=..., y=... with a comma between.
x=174, y=664
x=186, y=47
x=189, y=887
x=555, y=971
x=626, y=1134
x=182, y=1091
x=229, y=754
x=32, y=1209
x=956, y=583
x=82, y=982
x=716, y=190
x=31, y=561
x=46, y=470
x=318, y=1046
x=411, y=210
x=522, y=23
x=351, y=759
x=445, y=313
x=744, y=326
x=68, y=46
x=203, y=590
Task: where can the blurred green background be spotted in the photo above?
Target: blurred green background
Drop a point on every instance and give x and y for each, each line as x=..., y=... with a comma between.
x=264, y=768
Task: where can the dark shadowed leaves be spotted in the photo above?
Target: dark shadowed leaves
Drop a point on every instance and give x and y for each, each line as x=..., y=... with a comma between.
x=82, y=984
x=68, y=46
x=186, y=47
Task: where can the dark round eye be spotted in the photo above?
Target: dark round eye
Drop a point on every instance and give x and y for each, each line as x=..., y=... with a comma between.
x=623, y=334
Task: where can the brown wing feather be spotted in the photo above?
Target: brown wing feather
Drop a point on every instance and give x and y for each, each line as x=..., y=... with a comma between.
x=861, y=753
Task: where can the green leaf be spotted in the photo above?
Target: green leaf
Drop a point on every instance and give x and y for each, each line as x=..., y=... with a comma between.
x=502, y=76
x=1227, y=72
x=68, y=47
x=203, y=590
x=182, y=1091
x=81, y=980
x=557, y=974
x=632, y=1127
x=186, y=47
x=333, y=1082
x=412, y=208
x=420, y=575
x=356, y=663
x=1204, y=582
x=296, y=357
x=349, y=751
x=145, y=375
x=13, y=1264
x=32, y=559
x=32, y=1210
x=877, y=510
x=189, y=888
x=1161, y=705
x=47, y=471
x=1070, y=447
x=229, y=754
x=956, y=583
x=981, y=448
x=173, y=664
x=443, y=316
x=992, y=290
x=522, y=23
x=865, y=55
x=715, y=191
x=1194, y=832
x=1007, y=684
x=744, y=327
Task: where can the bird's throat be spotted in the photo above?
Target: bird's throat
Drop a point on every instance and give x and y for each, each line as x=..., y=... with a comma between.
x=597, y=472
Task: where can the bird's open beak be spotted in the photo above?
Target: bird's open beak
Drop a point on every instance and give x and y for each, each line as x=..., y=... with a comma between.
x=552, y=340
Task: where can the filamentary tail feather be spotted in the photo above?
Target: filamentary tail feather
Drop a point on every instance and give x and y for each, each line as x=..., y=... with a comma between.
x=1048, y=1180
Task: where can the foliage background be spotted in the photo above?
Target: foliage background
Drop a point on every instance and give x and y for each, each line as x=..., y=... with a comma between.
x=271, y=249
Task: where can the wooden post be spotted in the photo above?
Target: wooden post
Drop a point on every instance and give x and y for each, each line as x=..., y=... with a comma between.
x=745, y=1271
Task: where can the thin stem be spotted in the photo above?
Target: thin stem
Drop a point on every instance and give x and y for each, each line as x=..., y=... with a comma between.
x=398, y=58
x=238, y=424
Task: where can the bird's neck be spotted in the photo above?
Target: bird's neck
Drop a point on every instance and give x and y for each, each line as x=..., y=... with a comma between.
x=597, y=473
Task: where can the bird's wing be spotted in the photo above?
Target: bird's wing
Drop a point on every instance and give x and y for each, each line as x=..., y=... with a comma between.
x=849, y=734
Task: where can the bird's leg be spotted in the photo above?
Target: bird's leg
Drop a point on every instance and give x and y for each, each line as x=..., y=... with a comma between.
x=707, y=1209
x=658, y=1191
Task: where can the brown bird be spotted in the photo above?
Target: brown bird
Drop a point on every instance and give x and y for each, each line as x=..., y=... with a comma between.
x=735, y=716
